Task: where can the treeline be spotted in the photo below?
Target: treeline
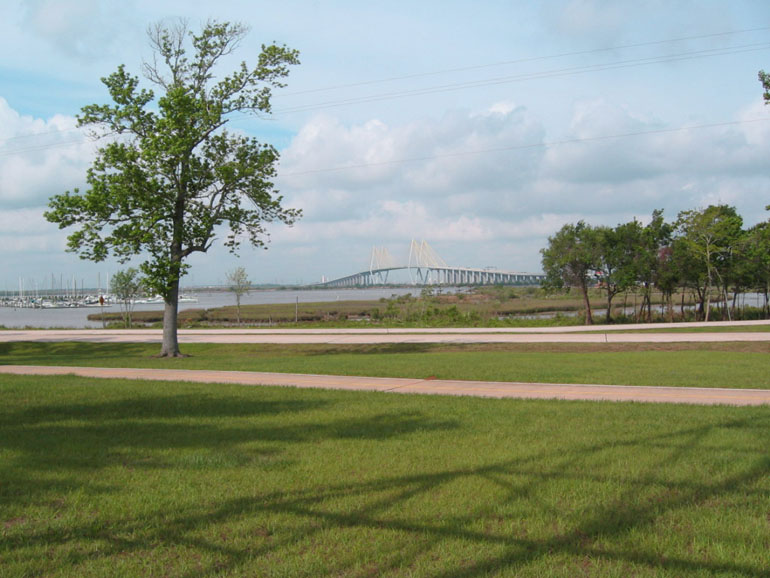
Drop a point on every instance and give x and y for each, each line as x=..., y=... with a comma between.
x=705, y=251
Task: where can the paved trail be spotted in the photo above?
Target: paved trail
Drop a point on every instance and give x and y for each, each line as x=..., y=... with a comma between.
x=600, y=334
x=594, y=334
x=702, y=396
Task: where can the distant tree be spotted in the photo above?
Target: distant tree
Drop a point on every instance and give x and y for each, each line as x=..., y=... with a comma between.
x=708, y=238
x=171, y=177
x=756, y=260
x=618, y=250
x=571, y=260
x=126, y=285
x=651, y=269
x=239, y=284
x=667, y=277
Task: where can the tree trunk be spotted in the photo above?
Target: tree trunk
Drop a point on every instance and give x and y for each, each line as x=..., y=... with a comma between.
x=649, y=306
x=170, y=346
x=589, y=318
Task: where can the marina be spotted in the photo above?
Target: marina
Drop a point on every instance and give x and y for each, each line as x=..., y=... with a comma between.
x=49, y=311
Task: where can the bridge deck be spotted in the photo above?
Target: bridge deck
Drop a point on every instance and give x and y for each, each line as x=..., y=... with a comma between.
x=438, y=276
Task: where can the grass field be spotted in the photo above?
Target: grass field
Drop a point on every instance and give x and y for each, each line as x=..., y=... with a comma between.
x=741, y=365
x=123, y=478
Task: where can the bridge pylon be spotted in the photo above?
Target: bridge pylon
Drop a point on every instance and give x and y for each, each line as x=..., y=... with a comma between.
x=423, y=256
x=381, y=263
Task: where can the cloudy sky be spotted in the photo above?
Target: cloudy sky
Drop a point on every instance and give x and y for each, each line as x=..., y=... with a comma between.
x=479, y=126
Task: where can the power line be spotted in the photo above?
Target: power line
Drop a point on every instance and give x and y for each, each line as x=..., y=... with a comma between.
x=481, y=83
x=691, y=55
x=545, y=144
x=40, y=147
x=526, y=60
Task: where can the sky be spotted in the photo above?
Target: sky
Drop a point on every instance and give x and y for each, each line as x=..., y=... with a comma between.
x=478, y=126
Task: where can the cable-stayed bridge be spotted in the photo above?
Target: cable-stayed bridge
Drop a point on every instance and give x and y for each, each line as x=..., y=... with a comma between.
x=425, y=267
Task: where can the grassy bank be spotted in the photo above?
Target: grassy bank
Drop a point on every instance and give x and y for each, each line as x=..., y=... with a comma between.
x=120, y=478
x=739, y=365
x=479, y=307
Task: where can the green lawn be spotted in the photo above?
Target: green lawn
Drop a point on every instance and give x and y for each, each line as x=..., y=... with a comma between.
x=125, y=478
x=731, y=365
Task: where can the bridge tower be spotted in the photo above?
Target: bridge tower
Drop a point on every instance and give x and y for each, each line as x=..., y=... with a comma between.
x=380, y=262
x=423, y=256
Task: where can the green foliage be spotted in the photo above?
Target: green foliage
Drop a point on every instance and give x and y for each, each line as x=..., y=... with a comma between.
x=572, y=257
x=170, y=176
x=706, y=251
x=764, y=78
x=709, y=238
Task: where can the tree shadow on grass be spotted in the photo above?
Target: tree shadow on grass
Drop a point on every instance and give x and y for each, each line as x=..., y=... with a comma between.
x=590, y=538
x=373, y=349
x=69, y=352
x=136, y=432
x=319, y=522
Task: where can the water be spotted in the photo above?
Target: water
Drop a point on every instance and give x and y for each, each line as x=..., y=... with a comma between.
x=77, y=317
x=66, y=318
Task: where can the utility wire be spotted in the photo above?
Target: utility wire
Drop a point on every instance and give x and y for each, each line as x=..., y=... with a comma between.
x=545, y=144
x=691, y=55
x=527, y=59
x=459, y=69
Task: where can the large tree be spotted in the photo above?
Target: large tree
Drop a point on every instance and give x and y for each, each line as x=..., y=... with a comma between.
x=171, y=176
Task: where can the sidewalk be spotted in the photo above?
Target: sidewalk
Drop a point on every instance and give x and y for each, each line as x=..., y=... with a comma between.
x=596, y=334
x=689, y=395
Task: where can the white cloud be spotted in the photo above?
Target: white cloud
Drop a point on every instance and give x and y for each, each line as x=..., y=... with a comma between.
x=648, y=149
x=462, y=161
x=39, y=158
x=84, y=29
x=493, y=206
x=26, y=230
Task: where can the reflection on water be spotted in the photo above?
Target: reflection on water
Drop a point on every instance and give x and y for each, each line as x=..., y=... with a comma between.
x=77, y=317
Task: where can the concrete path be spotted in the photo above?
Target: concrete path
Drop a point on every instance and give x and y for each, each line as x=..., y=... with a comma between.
x=591, y=334
x=689, y=395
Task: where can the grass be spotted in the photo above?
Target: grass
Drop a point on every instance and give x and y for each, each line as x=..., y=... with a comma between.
x=481, y=307
x=709, y=329
x=730, y=365
x=124, y=478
